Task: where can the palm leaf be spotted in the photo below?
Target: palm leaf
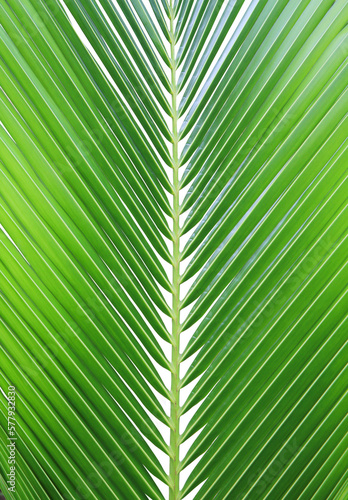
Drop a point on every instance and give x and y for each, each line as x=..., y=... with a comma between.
x=174, y=179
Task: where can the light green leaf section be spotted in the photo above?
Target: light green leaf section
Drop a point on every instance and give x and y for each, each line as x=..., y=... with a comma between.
x=95, y=99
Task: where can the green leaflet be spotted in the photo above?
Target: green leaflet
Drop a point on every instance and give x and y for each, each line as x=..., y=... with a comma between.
x=108, y=110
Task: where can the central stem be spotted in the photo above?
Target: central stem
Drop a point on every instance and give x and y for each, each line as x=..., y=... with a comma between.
x=175, y=382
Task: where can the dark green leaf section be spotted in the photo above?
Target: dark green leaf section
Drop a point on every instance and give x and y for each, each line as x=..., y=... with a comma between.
x=267, y=161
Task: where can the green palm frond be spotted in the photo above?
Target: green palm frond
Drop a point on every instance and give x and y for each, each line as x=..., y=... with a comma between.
x=173, y=178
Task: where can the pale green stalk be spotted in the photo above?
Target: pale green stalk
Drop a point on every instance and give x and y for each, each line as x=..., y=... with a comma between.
x=175, y=382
